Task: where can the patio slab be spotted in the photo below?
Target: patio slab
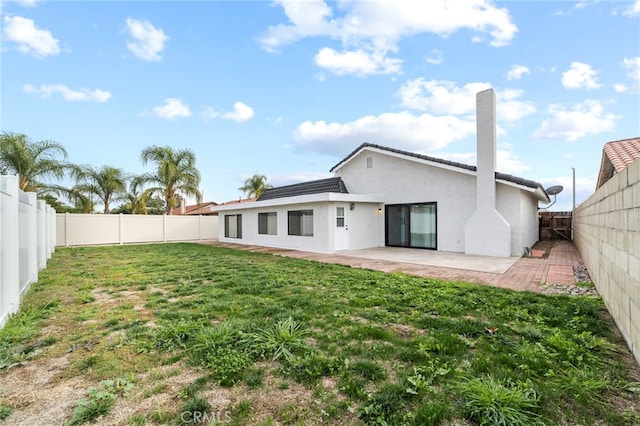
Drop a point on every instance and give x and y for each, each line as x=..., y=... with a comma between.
x=493, y=265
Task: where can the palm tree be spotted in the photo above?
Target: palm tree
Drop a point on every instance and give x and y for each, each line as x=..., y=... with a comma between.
x=31, y=161
x=137, y=196
x=176, y=175
x=255, y=186
x=107, y=183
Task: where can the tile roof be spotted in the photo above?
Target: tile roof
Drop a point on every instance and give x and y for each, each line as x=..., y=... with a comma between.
x=501, y=176
x=616, y=156
x=194, y=208
x=334, y=184
x=622, y=153
x=238, y=201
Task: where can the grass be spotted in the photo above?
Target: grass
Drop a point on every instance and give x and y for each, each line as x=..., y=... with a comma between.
x=195, y=327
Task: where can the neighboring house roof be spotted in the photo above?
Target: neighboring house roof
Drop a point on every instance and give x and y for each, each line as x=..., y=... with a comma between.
x=501, y=176
x=195, y=209
x=334, y=184
x=238, y=201
x=616, y=156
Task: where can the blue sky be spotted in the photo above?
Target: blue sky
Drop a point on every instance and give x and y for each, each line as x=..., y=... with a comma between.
x=288, y=88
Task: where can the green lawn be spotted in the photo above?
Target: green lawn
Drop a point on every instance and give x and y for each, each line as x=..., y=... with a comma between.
x=191, y=334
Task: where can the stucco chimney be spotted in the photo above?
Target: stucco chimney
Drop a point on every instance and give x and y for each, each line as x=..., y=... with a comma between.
x=487, y=232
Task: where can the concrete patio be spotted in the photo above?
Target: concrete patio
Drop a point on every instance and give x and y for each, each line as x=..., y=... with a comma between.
x=516, y=273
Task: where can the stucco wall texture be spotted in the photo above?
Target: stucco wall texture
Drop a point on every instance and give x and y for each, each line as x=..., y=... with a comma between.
x=607, y=235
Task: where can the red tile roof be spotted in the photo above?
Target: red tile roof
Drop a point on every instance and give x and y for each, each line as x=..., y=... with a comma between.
x=201, y=208
x=616, y=156
x=239, y=200
x=622, y=153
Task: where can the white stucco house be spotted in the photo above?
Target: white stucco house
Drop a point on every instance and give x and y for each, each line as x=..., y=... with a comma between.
x=381, y=196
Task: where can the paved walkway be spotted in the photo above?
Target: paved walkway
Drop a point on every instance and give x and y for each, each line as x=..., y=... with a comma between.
x=527, y=273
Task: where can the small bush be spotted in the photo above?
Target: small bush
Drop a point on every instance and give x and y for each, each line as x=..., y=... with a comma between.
x=228, y=365
x=488, y=401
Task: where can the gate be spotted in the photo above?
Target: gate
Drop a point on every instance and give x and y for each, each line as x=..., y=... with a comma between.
x=555, y=225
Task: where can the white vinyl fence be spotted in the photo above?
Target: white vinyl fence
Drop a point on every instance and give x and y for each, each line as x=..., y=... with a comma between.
x=97, y=229
x=27, y=239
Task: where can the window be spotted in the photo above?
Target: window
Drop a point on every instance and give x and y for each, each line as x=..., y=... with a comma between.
x=369, y=162
x=268, y=223
x=301, y=222
x=340, y=217
x=233, y=226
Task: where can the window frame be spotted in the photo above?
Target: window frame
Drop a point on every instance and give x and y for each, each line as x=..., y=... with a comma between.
x=298, y=216
x=238, y=218
x=266, y=216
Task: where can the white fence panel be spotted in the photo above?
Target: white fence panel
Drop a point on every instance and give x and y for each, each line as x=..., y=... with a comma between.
x=26, y=242
x=142, y=228
x=95, y=229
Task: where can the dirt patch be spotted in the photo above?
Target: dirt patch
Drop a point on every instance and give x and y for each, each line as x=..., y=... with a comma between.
x=30, y=389
x=404, y=331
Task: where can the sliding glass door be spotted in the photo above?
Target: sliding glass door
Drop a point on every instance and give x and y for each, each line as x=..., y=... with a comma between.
x=411, y=225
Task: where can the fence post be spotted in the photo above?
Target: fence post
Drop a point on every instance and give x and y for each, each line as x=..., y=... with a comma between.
x=120, y=228
x=32, y=226
x=42, y=251
x=9, y=236
x=164, y=228
x=66, y=229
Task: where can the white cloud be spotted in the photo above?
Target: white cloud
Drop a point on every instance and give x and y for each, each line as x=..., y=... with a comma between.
x=147, y=41
x=357, y=62
x=435, y=58
x=510, y=108
x=440, y=97
x=517, y=71
x=580, y=76
x=418, y=133
x=582, y=119
x=633, y=65
x=68, y=94
x=633, y=10
x=241, y=113
x=31, y=40
x=172, y=108
x=445, y=97
x=620, y=88
x=372, y=29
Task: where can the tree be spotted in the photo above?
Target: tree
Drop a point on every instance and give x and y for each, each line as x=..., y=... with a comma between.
x=176, y=174
x=138, y=198
x=32, y=161
x=58, y=205
x=107, y=183
x=255, y=186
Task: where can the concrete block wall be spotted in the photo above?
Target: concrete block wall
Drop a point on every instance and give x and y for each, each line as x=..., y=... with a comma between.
x=607, y=235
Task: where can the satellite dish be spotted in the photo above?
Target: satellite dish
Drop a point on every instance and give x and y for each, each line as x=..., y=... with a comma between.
x=554, y=190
